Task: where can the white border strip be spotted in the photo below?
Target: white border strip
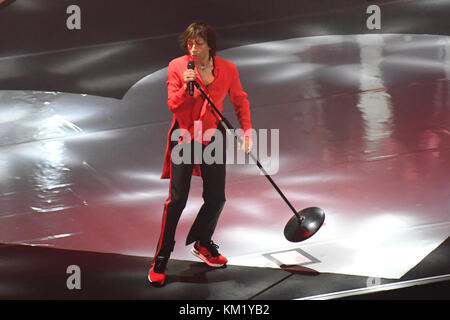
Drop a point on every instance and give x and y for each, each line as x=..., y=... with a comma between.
x=383, y=287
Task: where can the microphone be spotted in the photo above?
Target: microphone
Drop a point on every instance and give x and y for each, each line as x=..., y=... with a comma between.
x=191, y=65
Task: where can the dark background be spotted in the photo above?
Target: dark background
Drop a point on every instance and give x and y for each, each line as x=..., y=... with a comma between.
x=143, y=34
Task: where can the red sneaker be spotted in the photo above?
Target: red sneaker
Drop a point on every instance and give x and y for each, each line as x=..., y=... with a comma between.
x=209, y=254
x=157, y=273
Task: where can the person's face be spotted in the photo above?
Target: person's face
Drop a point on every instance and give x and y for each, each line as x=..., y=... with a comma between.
x=198, y=48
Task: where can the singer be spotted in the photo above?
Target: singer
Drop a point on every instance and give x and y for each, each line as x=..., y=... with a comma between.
x=217, y=77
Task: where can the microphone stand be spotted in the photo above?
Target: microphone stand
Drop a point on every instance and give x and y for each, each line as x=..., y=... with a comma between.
x=229, y=128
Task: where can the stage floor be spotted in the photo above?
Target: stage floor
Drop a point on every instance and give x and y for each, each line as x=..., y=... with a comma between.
x=364, y=133
x=35, y=272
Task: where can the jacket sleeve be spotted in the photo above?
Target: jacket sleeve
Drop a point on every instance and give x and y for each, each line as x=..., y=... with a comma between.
x=238, y=98
x=177, y=96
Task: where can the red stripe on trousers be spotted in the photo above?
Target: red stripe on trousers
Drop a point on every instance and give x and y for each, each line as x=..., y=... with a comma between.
x=165, y=213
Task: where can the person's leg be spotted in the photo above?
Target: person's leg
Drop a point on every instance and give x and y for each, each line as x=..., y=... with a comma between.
x=214, y=200
x=205, y=224
x=203, y=228
x=213, y=176
x=180, y=180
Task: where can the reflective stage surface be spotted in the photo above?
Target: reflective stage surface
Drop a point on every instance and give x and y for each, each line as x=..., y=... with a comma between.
x=364, y=128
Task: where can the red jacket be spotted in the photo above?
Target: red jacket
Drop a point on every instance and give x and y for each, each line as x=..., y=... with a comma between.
x=187, y=109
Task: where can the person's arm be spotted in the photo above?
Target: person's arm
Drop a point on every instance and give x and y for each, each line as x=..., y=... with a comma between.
x=241, y=105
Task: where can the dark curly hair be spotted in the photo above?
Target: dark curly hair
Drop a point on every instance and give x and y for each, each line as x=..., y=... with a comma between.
x=199, y=29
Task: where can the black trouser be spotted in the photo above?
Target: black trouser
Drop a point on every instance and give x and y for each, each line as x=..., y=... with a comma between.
x=213, y=176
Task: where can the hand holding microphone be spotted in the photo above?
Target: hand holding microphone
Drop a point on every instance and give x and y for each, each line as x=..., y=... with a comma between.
x=189, y=77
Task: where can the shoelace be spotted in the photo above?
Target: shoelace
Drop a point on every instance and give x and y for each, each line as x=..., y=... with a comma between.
x=212, y=248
